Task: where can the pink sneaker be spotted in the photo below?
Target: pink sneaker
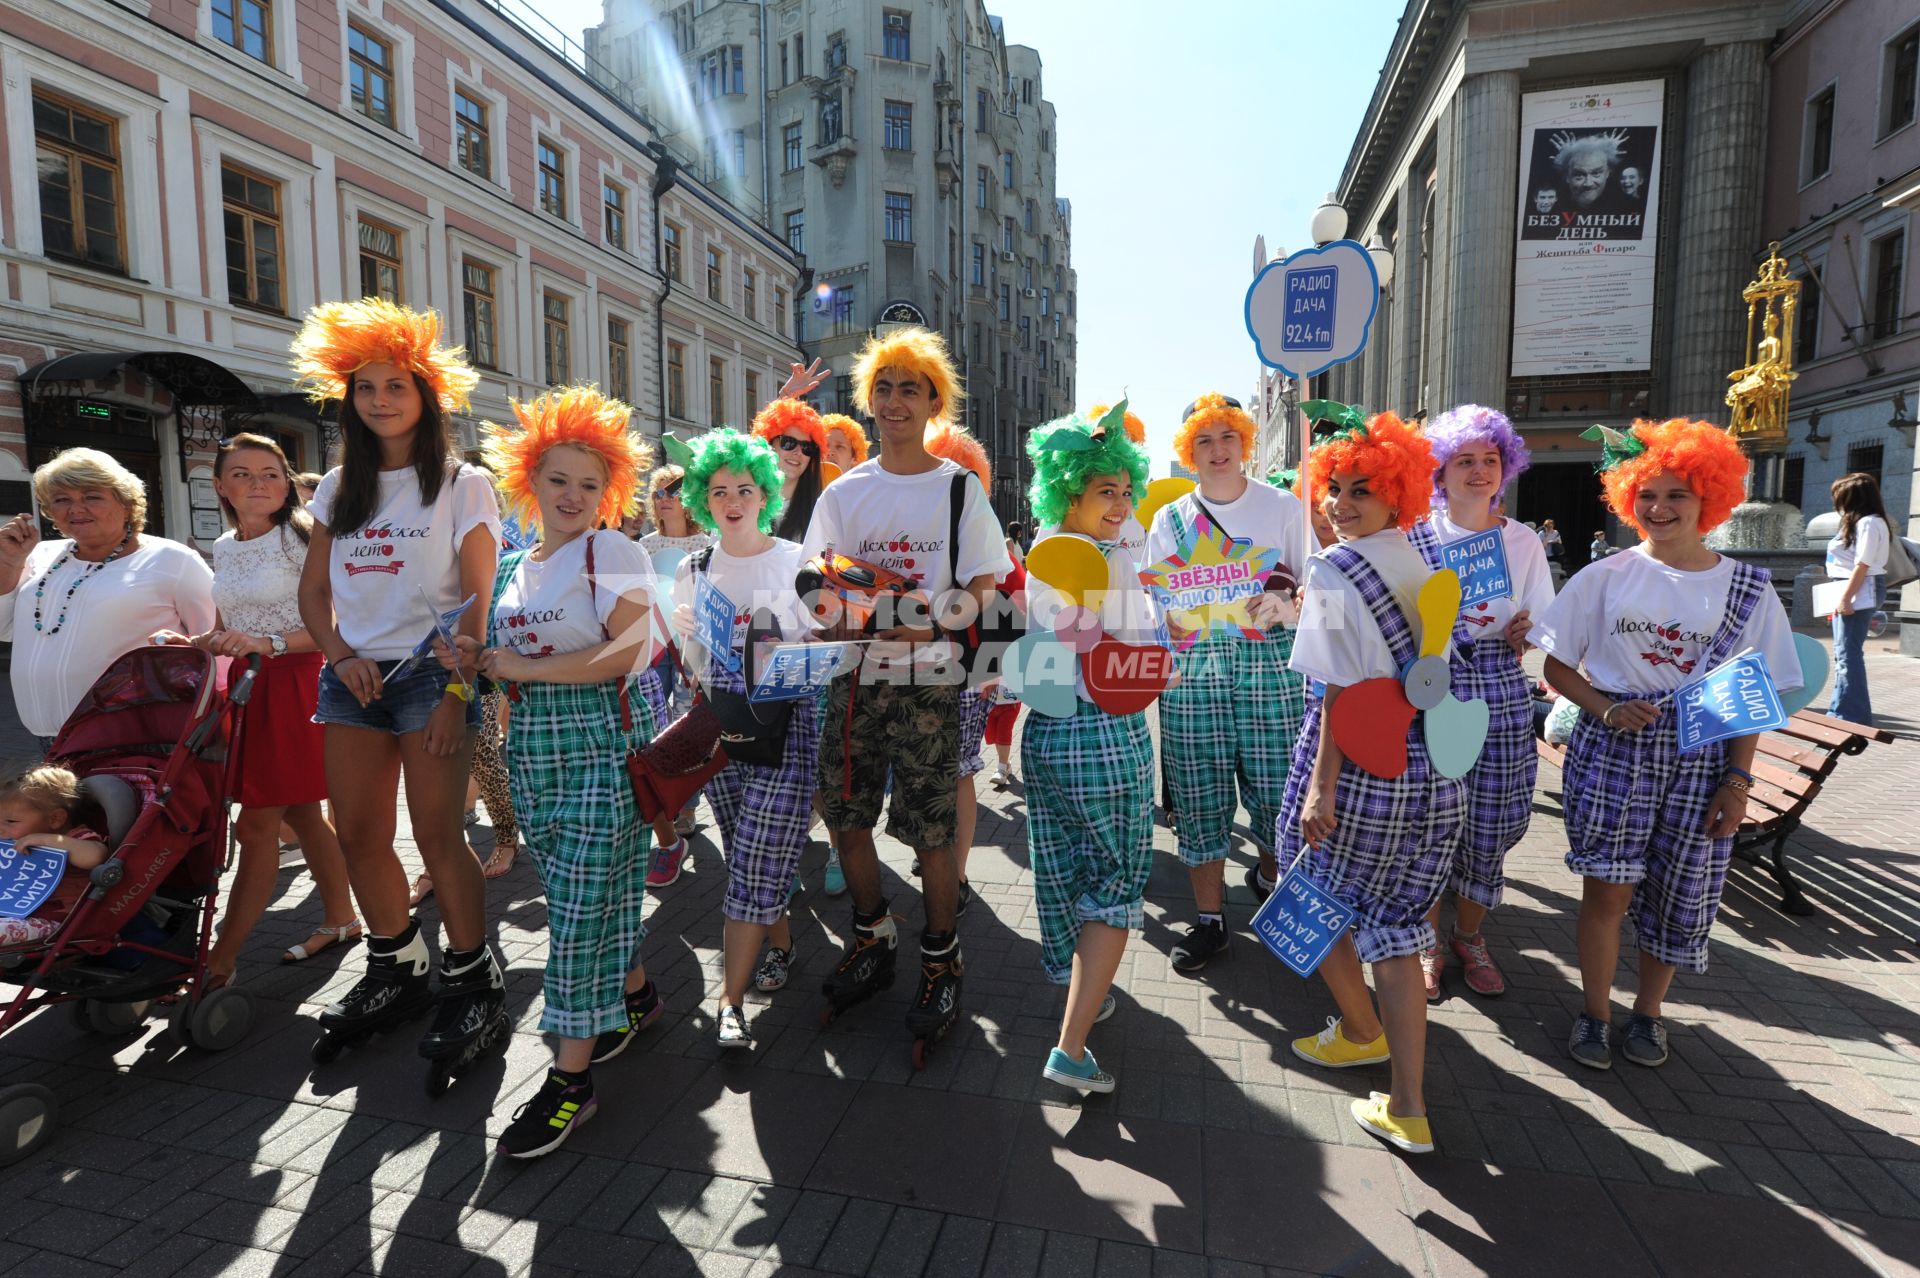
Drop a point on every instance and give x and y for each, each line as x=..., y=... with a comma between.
x=1477, y=966
x=666, y=864
x=1432, y=963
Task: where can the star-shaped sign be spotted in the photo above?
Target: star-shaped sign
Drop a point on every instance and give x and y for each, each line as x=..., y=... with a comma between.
x=1209, y=584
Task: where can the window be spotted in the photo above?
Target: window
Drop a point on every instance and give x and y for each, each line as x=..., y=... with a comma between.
x=558, y=339
x=790, y=146
x=980, y=187
x=1816, y=155
x=670, y=235
x=800, y=55
x=723, y=72
x=897, y=135
x=1007, y=239
x=1046, y=140
x=619, y=360
x=716, y=390
x=716, y=283
x=727, y=155
x=1026, y=92
x=830, y=119
x=380, y=273
x=836, y=52
x=370, y=75
x=1046, y=301
x=1046, y=251
x=1887, y=258
x=1006, y=302
x=471, y=135
x=1043, y=357
x=477, y=306
x=895, y=37
x=247, y=25
x=1026, y=276
x=750, y=294
x=978, y=278
x=780, y=311
x=1900, y=80
x=753, y=391
x=785, y=78
x=553, y=179
x=676, y=380
x=843, y=313
x=899, y=218
x=953, y=252
x=251, y=212
x=1806, y=322
x=797, y=230
x=1006, y=169
x=1793, y=481
x=1029, y=217
x=79, y=161
x=1026, y=333
x=980, y=111
x=613, y=214
x=1867, y=458
x=1071, y=303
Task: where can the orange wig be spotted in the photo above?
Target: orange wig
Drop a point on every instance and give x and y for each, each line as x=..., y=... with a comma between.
x=1210, y=410
x=577, y=417
x=782, y=415
x=340, y=338
x=1136, y=429
x=854, y=433
x=910, y=350
x=954, y=443
x=1393, y=455
x=1702, y=454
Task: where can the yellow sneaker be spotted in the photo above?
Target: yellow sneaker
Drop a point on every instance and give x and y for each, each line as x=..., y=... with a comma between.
x=1332, y=1048
x=1410, y=1134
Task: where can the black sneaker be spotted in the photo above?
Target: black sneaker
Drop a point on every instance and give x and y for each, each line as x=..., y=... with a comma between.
x=644, y=1007
x=1646, y=1041
x=1204, y=940
x=543, y=1124
x=966, y=899
x=1590, y=1042
x=1261, y=891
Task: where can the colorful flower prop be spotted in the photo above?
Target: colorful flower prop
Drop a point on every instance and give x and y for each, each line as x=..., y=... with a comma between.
x=1371, y=718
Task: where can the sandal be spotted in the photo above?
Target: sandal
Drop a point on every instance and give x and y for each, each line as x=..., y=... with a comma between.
x=345, y=934
x=422, y=889
x=500, y=861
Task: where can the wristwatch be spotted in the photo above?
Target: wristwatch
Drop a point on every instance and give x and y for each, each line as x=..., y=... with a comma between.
x=278, y=645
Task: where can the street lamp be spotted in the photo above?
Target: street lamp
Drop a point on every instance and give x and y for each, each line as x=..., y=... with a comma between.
x=1382, y=260
x=1329, y=221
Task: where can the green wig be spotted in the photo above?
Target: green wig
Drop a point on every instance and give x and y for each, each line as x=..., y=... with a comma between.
x=1069, y=452
x=728, y=449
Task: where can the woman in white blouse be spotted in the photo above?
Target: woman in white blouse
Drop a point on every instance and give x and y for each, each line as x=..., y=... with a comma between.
x=1857, y=555
x=276, y=753
x=73, y=605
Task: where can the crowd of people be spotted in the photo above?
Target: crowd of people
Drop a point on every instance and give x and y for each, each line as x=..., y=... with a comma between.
x=585, y=658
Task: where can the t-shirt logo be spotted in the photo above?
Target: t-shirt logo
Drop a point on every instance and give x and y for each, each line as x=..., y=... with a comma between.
x=521, y=638
x=901, y=553
x=1478, y=617
x=374, y=551
x=1664, y=643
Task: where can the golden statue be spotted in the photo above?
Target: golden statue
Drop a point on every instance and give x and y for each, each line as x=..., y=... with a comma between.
x=1758, y=396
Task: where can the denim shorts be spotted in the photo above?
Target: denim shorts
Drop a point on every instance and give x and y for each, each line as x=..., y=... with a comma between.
x=403, y=706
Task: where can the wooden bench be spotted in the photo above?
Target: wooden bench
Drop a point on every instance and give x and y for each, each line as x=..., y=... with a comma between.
x=1789, y=767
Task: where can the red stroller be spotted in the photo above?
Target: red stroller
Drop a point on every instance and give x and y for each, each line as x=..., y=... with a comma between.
x=149, y=742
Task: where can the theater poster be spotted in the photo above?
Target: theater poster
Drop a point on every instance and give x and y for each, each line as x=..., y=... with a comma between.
x=1589, y=217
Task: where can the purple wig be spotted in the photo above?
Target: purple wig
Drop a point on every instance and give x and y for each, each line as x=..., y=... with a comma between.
x=1458, y=427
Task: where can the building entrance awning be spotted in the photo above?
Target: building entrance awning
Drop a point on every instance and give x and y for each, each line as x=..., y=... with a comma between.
x=194, y=382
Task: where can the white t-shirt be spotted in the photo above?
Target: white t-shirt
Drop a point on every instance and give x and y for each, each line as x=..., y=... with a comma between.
x=160, y=585
x=1870, y=544
x=752, y=583
x=1339, y=641
x=547, y=608
x=1526, y=568
x=1639, y=626
x=256, y=583
x=379, y=571
x=1133, y=539
x=1263, y=515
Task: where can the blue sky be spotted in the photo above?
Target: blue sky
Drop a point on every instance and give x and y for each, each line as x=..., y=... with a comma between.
x=1184, y=131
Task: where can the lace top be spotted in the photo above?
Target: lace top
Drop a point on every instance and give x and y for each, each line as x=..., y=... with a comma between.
x=256, y=583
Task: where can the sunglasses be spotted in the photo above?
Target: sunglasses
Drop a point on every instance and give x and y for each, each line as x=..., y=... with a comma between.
x=671, y=488
x=788, y=443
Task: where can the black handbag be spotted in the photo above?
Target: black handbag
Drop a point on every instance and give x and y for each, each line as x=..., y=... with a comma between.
x=750, y=734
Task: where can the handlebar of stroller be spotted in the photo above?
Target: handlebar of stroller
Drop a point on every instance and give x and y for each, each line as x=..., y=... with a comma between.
x=238, y=695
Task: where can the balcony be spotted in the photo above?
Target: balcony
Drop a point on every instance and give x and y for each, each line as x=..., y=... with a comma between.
x=836, y=157
x=946, y=169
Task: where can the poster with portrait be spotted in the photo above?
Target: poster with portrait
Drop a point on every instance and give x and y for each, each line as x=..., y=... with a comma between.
x=1589, y=229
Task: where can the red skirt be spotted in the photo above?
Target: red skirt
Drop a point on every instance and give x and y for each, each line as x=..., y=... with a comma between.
x=1000, y=718
x=276, y=760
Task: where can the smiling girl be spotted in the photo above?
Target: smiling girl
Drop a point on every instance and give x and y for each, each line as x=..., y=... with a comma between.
x=1651, y=829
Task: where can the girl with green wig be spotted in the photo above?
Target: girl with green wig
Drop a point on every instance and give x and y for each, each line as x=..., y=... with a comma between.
x=763, y=810
x=1089, y=776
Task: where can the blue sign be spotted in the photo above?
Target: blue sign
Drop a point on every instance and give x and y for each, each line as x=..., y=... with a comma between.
x=796, y=671
x=1481, y=562
x=516, y=535
x=1737, y=699
x=713, y=615
x=1301, y=921
x=1314, y=309
x=27, y=878
x=443, y=625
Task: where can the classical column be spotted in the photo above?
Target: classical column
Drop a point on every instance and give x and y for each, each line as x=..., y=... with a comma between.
x=1484, y=148
x=1718, y=195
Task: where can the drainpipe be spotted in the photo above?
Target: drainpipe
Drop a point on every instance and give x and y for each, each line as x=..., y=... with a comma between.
x=666, y=172
x=766, y=129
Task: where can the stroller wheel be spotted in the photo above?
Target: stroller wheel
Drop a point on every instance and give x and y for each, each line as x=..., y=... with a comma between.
x=113, y=1018
x=28, y=1113
x=221, y=1020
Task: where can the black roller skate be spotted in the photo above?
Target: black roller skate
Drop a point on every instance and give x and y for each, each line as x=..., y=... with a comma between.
x=866, y=968
x=937, y=1006
x=470, y=1018
x=395, y=989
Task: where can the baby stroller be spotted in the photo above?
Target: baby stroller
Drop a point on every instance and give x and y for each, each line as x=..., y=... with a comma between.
x=149, y=742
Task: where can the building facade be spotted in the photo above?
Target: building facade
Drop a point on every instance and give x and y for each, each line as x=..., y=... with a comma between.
x=905, y=152
x=181, y=184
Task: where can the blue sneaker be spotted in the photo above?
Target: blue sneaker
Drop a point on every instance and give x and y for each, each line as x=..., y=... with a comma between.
x=1083, y=1075
x=836, y=882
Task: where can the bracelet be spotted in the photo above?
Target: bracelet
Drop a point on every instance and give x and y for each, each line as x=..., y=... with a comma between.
x=1731, y=782
x=464, y=691
x=1606, y=717
x=1740, y=772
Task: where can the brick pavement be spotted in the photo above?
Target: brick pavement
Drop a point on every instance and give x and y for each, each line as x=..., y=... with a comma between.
x=1787, y=1125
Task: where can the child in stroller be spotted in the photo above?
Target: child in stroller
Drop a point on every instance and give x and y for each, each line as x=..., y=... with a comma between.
x=39, y=807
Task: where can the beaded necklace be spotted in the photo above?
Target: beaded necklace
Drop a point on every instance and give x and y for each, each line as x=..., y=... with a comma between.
x=81, y=580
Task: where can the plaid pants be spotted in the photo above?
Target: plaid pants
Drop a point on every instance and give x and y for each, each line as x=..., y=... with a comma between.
x=1089, y=786
x=764, y=815
x=1500, y=787
x=1233, y=718
x=973, y=730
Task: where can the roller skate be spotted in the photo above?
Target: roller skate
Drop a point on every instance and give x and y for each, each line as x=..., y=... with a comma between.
x=866, y=968
x=395, y=989
x=470, y=1017
x=937, y=1006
